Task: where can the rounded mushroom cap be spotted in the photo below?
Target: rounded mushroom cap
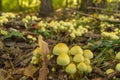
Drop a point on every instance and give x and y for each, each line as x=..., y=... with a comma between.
x=88, y=53
x=78, y=58
x=35, y=60
x=118, y=67
x=108, y=71
x=63, y=59
x=118, y=55
x=89, y=69
x=71, y=68
x=82, y=66
x=60, y=48
x=87, y=61
x=76, y=49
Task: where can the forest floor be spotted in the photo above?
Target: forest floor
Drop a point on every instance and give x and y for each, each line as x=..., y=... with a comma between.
x=16, y=49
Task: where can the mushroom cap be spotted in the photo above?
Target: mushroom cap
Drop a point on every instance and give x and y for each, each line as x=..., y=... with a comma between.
x=118, y=55
x=88, y=53
x=89, y=69
x=82, y=67
x=63, y=59
x=87, y=61
x=35, y=60
x=108, y=71
x=117, y=67
x=78, y=58
x=60, y=48
x=76, y=49
x=71, y=68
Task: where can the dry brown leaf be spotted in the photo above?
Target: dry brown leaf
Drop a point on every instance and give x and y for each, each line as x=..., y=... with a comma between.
x=1, y=45
x=3, y=74
x=19, y=71
x=44, y=50
x=98, y=79
x=30, y=70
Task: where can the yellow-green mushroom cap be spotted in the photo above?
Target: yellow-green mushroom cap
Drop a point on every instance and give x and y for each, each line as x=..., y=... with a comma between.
x=35, y=60
x=63, y=59
x=89, y=69
x=108, y=71
x=60, y=48
x=71, y=68
x=117, y=67
x=76, y=49
x=88, y=53
x=82, y=67
x=118, y=55
x=87, y=61
x=78, y=58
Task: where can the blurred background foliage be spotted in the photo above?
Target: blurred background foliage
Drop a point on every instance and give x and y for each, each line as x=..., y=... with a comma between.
x=34, y=5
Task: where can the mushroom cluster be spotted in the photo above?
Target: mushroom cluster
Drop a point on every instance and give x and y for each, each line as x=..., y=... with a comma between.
x=117, y=67
x=75, y=60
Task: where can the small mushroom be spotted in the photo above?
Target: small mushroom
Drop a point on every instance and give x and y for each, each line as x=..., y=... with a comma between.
x=76, y=49
x=87, y=61
x=118, y=55
x=89, y=69
x=82, y=67
x=78, y=58
x=71, y=68
x=35, y=60
x=60, y=48
x=88, y=53
x=117, y=67
x=63, y=59
x=108, y=71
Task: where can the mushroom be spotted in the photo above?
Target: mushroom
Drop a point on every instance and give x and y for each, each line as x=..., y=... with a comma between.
x=89, y=69
x=117, y=67
x=76, y=49
x=118, y=55
x=88, y=53
x=35, y=60
x=108, y=71
x=71, y=68
x=63, y=59
x=87, y=61
x=78, y=58
x=82, y=67
x=60, y=48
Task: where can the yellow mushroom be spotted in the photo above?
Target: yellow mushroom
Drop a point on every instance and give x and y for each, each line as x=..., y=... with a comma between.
x=118, y=55
x=76, y=49
x=60, y=48
x=87, y=61
x=88, y=53
x=117, y=67
x=89, y=69
x=71, y=68
x=63, y=59
x=82, y=67
x=78, y=58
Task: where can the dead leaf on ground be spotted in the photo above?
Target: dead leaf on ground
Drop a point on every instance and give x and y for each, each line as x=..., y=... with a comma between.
x=1, y=45
x=44, y=50
x=98, y=79
x=30, y=70
x=3, y=74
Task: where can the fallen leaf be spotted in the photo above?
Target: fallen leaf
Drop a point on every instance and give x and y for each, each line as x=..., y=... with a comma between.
x=1, y=45
x=3, y=74
x=19, y=71
x=30, y=70
x=44, y=50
